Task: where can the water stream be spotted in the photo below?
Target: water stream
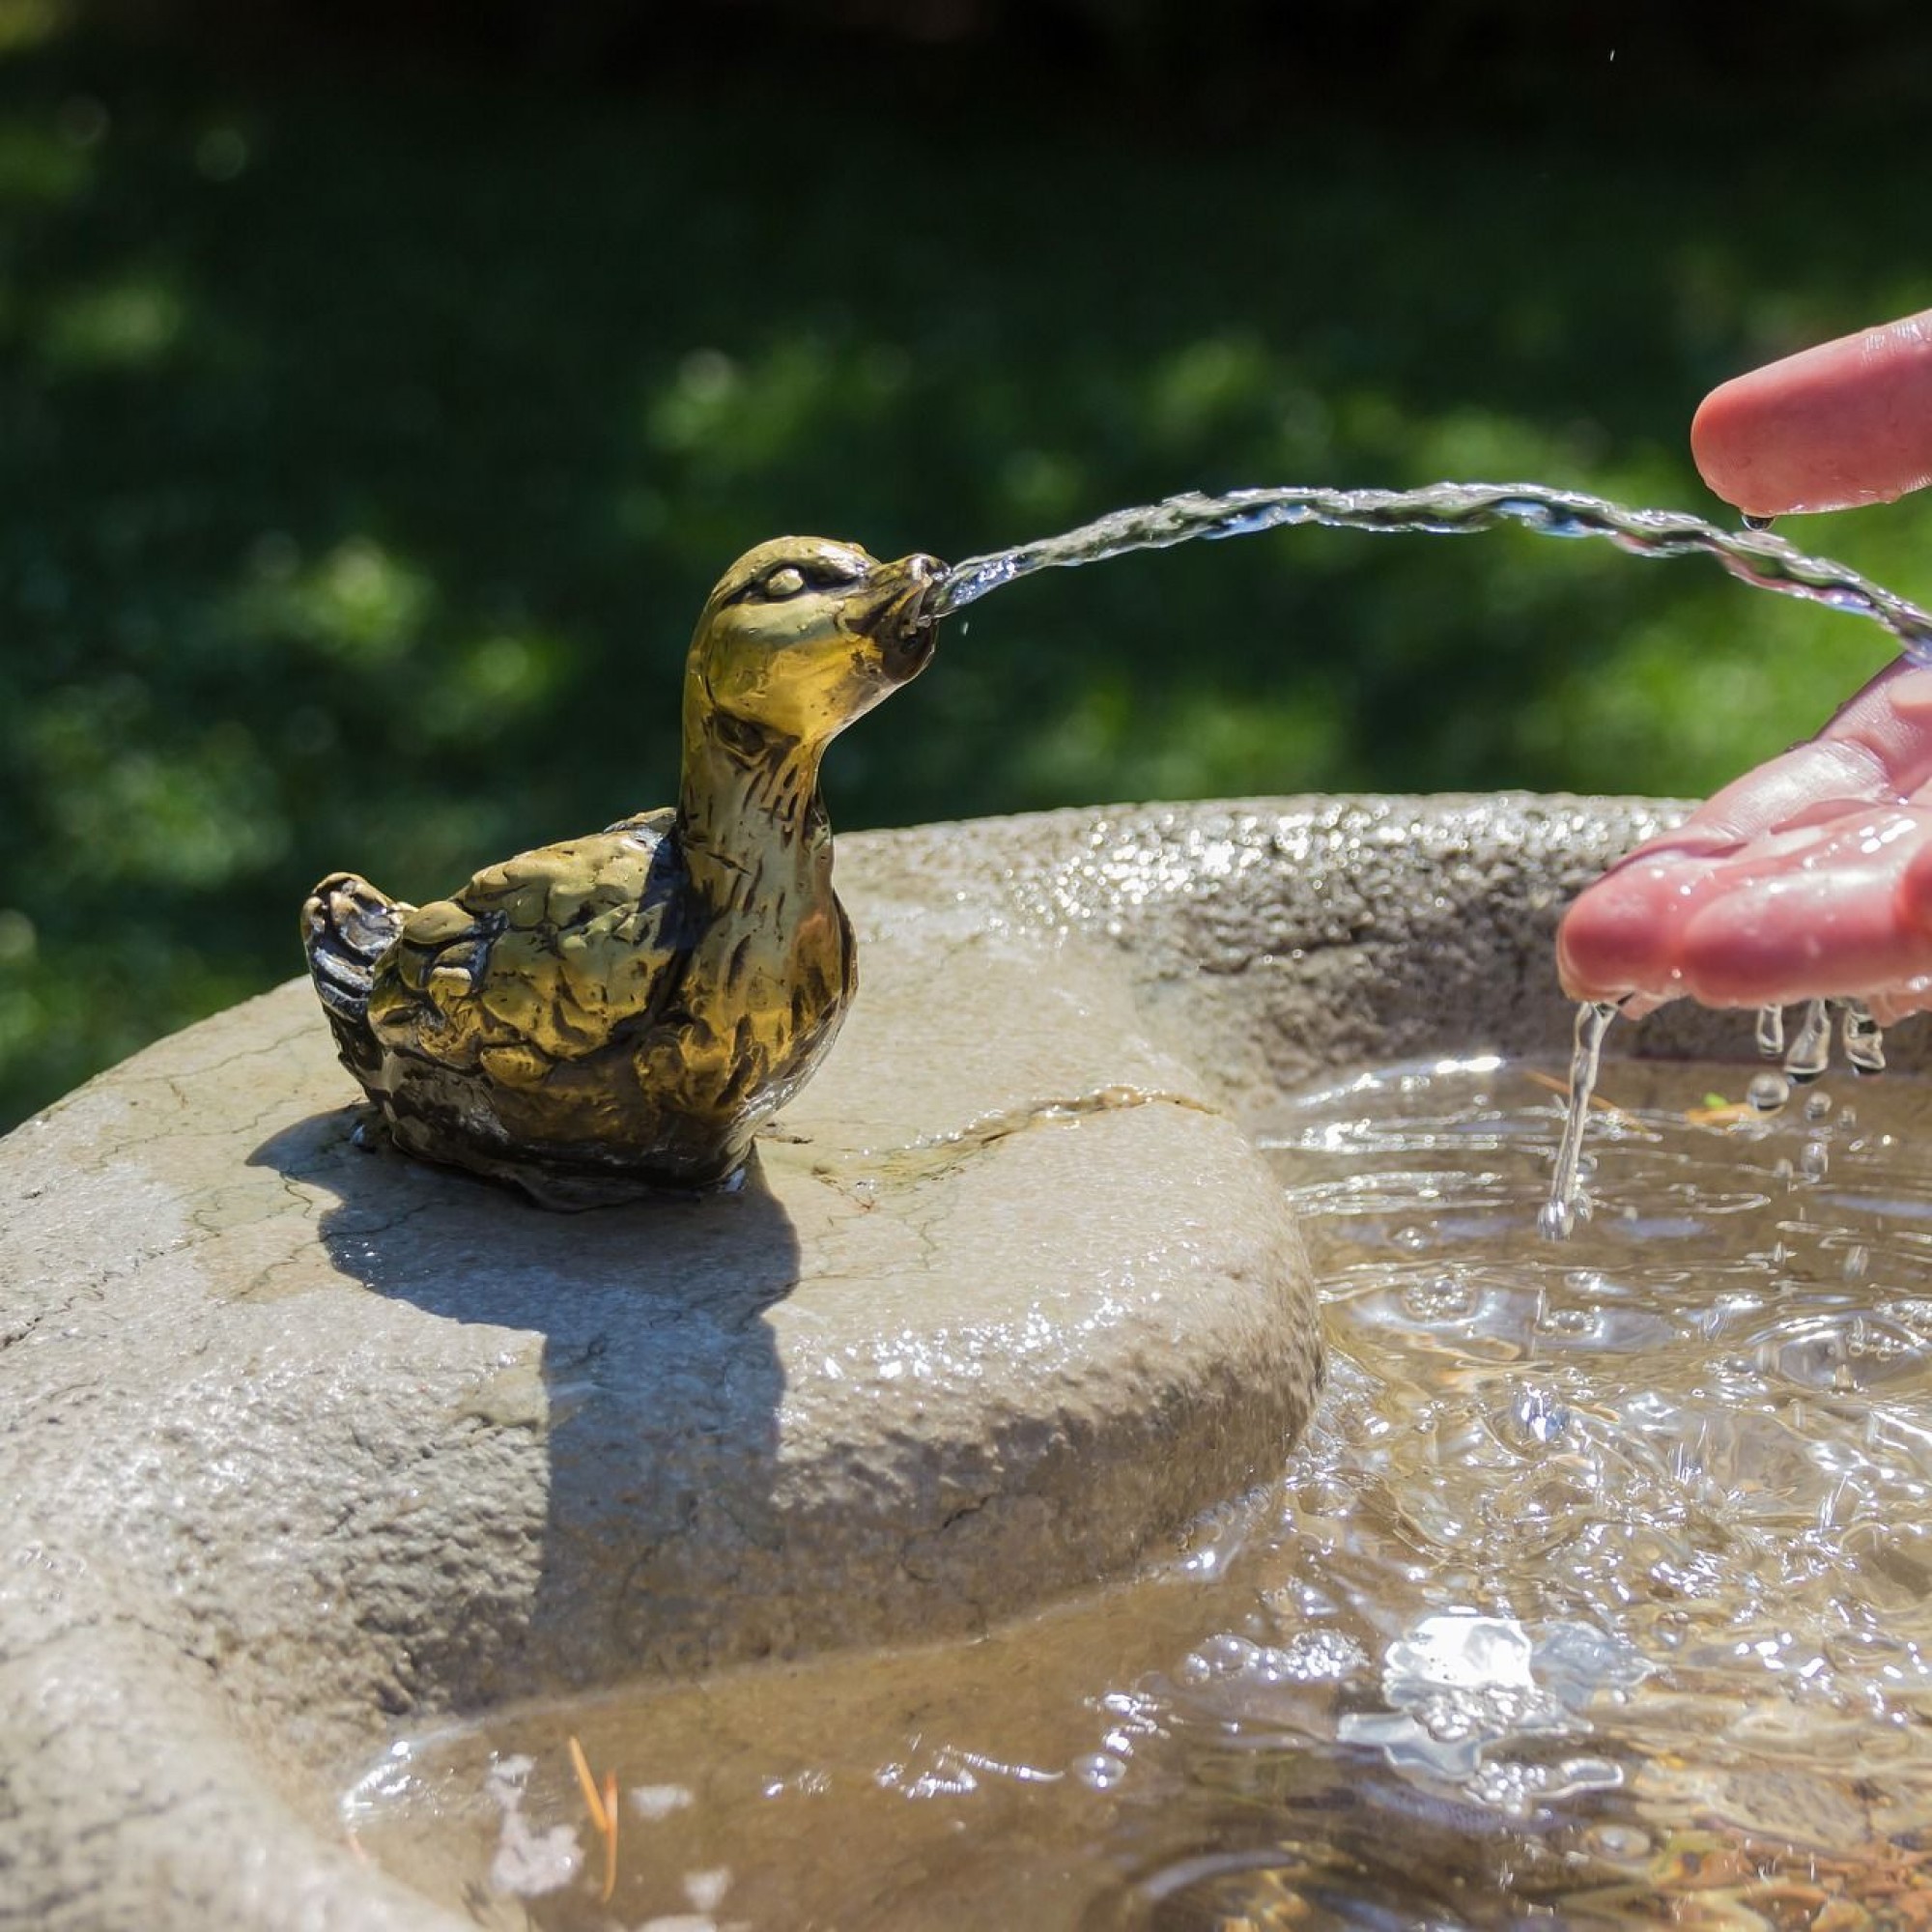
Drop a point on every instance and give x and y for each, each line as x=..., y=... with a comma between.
x=1754, y=557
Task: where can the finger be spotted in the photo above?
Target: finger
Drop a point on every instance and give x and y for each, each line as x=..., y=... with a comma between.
x=1877, y=750
x=1842, y=909
x=1847, y=422
x=1817, y=918
x=1621, y=936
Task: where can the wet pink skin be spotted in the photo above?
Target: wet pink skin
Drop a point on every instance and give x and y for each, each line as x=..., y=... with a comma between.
x=1845, y=423
x=1810, y=876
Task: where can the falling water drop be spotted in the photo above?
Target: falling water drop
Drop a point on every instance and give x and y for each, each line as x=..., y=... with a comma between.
x=1768, y=1092
x=1864, y=1043
x=1771, y=1032
x=1811, y=1051
x=1752, y=522
x=1557, y=1221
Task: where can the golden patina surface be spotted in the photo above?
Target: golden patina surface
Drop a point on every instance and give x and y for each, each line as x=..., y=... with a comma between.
x=623, y=1010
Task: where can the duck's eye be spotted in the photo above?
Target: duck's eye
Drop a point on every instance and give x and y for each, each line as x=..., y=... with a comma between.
x=787, y=583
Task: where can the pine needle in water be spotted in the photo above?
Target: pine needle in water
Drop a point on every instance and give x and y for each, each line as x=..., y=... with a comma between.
x=1562, y=1087
x=603, y=1808
x=611, y=1838
x=593, y=1798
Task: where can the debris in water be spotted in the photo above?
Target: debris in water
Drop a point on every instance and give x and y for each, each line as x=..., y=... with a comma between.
x=603, y=1808
x=1718, y=1112
x=1554, y=1085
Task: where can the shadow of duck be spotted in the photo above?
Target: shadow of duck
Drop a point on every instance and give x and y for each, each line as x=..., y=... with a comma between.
x=626, y=1350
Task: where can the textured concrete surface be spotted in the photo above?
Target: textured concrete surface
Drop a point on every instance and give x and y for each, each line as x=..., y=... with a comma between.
x=300, y=1441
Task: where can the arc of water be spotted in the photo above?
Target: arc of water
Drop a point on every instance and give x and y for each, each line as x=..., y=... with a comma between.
x=1757, y=557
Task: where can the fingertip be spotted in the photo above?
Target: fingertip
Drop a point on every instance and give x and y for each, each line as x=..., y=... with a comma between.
x=1727, y=448
x=1844, y=423
x=1608, y=945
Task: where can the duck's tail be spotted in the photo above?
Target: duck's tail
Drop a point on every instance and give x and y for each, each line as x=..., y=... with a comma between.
x=347, y=927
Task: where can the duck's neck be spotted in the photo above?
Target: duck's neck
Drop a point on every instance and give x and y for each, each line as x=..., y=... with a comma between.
x=749, y=818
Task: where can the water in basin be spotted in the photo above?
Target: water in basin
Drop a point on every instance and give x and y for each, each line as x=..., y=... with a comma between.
x=1602, y=1584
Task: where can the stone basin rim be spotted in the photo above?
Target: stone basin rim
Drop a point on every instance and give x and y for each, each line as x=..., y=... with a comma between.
x=180, y=1755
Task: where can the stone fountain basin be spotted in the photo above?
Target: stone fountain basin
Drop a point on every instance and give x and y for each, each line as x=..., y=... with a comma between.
x=304, y=1445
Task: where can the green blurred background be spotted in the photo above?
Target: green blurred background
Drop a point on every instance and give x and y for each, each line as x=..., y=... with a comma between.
x=381, y=388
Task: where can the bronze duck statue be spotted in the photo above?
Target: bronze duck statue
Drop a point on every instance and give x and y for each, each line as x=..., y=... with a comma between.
x=620, y=1013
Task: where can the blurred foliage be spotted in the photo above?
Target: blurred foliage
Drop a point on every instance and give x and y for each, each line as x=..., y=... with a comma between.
x=367, y=445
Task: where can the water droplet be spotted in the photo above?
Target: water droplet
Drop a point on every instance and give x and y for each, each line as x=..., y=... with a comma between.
x=1857, y=1262
x=1814, y=1162
x=1768, y=1092
x=1229, y=1655
x=1411, y=1238
x=1620, y=1843
x=1817, y=1106
x=1752, y=522
x=1864, y=1042
x=1539, y=1415
x=1193, y=1670
x=1771, y=1032
x=1811, y=1051
x=1099, y=1770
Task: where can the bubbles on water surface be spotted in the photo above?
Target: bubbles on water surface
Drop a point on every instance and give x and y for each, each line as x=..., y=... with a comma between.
x=1100, y=1770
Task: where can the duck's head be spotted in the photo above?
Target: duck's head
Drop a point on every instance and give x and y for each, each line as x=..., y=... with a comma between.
x=801, y=635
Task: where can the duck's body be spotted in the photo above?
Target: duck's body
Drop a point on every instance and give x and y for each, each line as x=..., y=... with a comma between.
x=622, y=1011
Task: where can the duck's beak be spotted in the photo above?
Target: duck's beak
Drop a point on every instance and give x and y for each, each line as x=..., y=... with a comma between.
x=905, y=631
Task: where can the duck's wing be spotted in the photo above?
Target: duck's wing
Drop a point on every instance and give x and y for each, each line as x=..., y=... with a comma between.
x=540, y=958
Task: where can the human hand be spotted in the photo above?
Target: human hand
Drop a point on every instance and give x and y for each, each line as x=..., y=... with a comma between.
x=1811, y=876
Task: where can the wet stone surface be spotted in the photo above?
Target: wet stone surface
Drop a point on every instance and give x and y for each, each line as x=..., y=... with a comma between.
x=303, y=1445
x=1596, y=1590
